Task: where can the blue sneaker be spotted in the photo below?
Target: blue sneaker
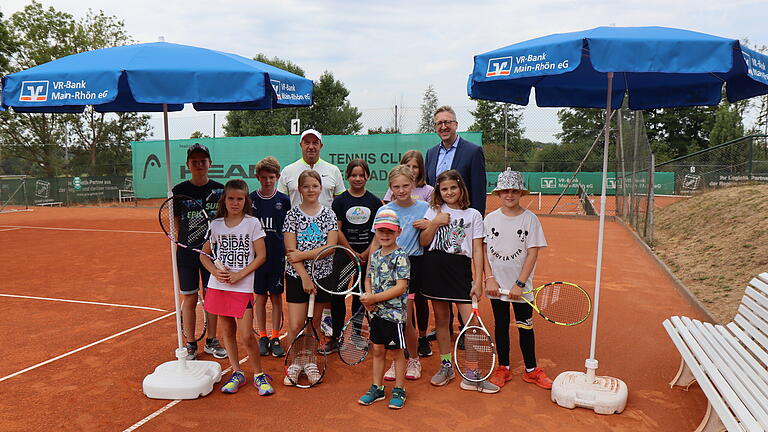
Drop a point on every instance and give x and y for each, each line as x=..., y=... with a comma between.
x=326, y=324
x=374, y=394
x=398, y=398
x=236, y=381
x=261, y=382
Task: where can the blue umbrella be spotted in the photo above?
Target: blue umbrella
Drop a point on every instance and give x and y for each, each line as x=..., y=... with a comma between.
x=655, y=67
x=157, y=77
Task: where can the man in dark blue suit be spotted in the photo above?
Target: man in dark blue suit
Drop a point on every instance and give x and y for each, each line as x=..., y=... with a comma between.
x=457, y=153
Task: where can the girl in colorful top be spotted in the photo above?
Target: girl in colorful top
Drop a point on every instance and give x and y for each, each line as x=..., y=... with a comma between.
x=239, y=241
x=455, y=239
x=308, y=228
x=410, y=213
x=513, y=238
x=414, y=160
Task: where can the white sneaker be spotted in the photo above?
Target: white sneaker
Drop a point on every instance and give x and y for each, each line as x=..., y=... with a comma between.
x=413, y=371
x=326, y=323
x=293, y=372
x=390, y=374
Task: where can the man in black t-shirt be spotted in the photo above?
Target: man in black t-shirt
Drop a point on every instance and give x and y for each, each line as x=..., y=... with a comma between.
x=191, y=271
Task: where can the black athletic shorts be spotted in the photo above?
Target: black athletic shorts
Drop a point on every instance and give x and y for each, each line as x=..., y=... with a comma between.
x=387, y=333
x=268, y=282
x=190, y=276
x=294, y=291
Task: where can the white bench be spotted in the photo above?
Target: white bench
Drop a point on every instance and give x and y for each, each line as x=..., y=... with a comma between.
x=50, y=204
x=125, y=195
x=729, y=362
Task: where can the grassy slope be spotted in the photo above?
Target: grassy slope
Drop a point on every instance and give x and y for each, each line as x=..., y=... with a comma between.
x=715, y=243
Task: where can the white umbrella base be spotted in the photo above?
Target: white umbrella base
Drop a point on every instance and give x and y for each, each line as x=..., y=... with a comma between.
x=603, y=394
x=182, y=379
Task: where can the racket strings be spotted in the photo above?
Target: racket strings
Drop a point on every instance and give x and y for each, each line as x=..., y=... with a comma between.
x=355, y=340
x=563, y=303
x=477, y=359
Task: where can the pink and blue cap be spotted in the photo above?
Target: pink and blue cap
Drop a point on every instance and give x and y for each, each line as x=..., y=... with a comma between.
x=387, y=219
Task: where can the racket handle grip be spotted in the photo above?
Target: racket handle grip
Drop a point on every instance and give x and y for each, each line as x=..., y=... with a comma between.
x=219, y=265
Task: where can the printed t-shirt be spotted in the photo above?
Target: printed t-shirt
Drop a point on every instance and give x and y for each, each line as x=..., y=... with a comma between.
x=456, y=237
x=271, y=213
x=384, y=271
x=356, y=215
x=234, y=248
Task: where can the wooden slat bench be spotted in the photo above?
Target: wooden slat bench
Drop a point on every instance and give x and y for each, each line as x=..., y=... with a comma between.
x=729, y=362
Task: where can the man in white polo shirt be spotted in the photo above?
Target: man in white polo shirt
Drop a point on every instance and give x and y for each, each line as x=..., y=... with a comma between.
x=333, y=183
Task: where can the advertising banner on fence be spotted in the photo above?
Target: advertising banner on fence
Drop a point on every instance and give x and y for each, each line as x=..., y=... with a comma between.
x=236, y=157
x=552, y=183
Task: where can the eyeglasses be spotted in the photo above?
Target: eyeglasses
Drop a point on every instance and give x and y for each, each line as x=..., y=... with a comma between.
x=444, y=123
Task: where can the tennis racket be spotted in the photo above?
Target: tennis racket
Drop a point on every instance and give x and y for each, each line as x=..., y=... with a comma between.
x=355, y=339
x=561, y=303
x=345, y=275
x=303, y=366
x=186, y=223
x=478, y=358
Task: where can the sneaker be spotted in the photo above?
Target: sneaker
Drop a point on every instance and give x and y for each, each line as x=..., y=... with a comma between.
x=276, y=348
x=374, y=394
x=431, y=336
x=330, y=347
x=313, y=373
x=444, y=375
x=191, y=351
x=500, y=376
x=390, y=374
x=213, y=347
x=398, y=398
x=461, y=342
x=263, y=346
x=413, y=371
x=483, y=386
x=292, y=373
x=326, y=325
x=425, y=348
x=261, y=382
x=236, y=381
x=538, y=377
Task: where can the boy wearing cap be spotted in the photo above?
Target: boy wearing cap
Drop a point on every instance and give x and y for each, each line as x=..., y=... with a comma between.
x=385, y=297
x=513, y=238
x=188, y=263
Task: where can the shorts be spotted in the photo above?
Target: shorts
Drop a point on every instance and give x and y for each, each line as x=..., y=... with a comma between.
x=294, y=291
x=227, y=303
x=387, y=333
x=417, y=271
x=449, y=276
x=189, y=278
x=268, y=282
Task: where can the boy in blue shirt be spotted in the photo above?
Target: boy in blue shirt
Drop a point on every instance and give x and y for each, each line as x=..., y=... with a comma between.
x=385, y=297
x=270, y=206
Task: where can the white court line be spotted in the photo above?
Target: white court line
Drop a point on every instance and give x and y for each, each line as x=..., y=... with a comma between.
x=80, y=229
x=85, y=347
x=10, y=229
x=83, y=302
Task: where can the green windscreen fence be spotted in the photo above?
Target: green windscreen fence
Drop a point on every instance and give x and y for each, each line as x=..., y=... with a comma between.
x=552, y=183
x=236, y=157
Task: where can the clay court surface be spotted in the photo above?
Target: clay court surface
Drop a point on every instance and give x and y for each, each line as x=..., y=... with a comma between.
x=118, y=257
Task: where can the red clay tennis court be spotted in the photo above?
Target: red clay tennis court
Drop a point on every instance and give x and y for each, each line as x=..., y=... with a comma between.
x=88, y=312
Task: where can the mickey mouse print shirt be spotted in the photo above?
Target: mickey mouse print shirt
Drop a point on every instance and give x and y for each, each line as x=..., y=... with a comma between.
x=456, y=237
x=507, y=239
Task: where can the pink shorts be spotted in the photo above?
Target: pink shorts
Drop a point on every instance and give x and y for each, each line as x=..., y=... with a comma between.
x=227, y=303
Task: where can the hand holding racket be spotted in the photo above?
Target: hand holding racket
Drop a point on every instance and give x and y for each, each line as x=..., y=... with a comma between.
x=186, y=223
x=561, y=303
x=478, y=358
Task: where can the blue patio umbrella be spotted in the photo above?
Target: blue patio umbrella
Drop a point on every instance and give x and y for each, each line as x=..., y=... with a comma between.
x=654, y=67
x=155, y=77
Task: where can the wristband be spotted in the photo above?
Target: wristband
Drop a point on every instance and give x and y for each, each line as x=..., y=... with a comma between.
x=520, y=284
x=489, y=277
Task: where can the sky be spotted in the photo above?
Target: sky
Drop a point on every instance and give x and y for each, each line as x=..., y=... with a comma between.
x=388, y=53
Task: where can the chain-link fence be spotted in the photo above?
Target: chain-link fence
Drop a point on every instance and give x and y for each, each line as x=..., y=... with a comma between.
x=634, y=181
x=741, y=160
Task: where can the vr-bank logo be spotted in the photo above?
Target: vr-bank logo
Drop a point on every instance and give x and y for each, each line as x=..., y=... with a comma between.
x=548, y=182
x=276, y=86
x=499, y=66
x=34, y=91
x=152, y=160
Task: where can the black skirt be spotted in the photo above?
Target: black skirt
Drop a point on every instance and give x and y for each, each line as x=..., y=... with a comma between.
x=446, y=277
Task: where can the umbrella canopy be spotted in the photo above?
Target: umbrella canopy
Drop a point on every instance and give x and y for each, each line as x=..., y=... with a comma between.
x=144, y=77
x=657, y=67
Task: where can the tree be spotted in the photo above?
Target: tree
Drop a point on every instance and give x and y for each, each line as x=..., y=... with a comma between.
x=41, y=35
x=489, y=119
x=580, y=125
x=675, y=132
x=197, y=134
x=429, y=105
x=382, y=130
x=331, y=113
x=7, y=46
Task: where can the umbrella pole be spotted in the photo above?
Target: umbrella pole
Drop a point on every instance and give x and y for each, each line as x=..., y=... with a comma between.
x=182, y=378
x=603, y=394
x=175, y=269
